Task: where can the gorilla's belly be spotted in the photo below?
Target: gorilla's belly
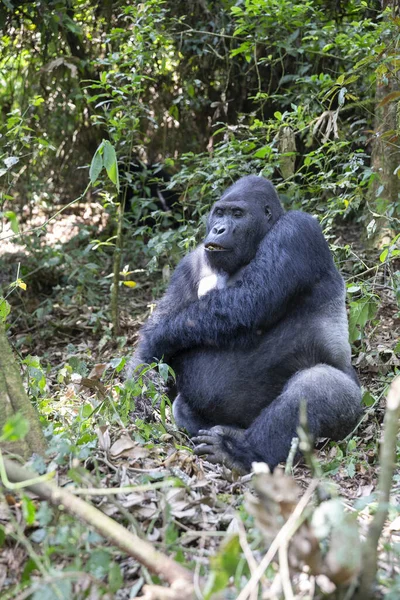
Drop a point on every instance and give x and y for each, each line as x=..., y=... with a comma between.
x=219, y=383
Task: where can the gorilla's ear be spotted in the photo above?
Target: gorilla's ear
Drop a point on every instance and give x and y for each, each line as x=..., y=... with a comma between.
x=268, y=212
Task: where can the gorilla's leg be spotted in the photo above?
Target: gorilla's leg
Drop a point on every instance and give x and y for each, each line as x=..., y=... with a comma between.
x=186, y=417
x=333, y=407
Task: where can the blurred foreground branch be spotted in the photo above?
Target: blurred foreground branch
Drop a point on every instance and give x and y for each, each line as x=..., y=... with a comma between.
x=157, y=563
x=387, y=463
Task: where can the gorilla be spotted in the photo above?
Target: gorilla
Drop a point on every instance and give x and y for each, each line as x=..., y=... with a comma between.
x=253, y=322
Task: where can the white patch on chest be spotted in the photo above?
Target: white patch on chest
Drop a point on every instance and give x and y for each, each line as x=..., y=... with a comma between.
x=209, y=279
x=214, y=281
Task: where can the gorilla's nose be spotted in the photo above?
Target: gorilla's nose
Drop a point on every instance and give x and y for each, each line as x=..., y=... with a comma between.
x=218, y=230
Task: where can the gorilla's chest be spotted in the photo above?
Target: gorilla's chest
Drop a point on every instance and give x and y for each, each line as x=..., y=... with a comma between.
x=215, y=280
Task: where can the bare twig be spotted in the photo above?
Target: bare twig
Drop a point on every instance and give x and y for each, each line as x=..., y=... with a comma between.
x=294, y=446
x=387, y=462
x=284, y=534
x=284, y=570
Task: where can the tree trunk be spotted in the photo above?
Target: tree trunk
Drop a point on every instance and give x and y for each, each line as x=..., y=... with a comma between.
x=385, y=157
x=14, y=399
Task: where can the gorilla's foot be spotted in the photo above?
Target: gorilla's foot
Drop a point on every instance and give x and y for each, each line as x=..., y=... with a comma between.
x=225, y=445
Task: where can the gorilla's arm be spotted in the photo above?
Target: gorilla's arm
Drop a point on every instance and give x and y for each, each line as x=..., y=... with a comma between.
x=292, y=258
x=181, y=292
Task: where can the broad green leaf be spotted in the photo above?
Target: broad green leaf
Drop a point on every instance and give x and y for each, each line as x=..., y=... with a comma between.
x=4, y=309
x=164, y=371
x=99, y=563
x=96, y=165
x=28, y=510
x=12, y=217
x=368, y=399
x=262, y=152
x=115, y=579
x=15, y=428
x=110, y=163
x=383, y=255
x=60, y=589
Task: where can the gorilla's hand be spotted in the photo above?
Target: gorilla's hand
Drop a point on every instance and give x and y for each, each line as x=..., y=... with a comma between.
x=224, y=445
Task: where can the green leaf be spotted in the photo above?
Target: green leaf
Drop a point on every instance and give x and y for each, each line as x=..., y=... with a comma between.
x=4, y=309
x=87, y=410
x=262, y=152
x=368, y=399
x=96, y=164
x=99, y=563
x=224, y=566
x=164, y=371
x=61, y=589
x=28, y=510
x=15, y=428
x=115, y=579
x=12, y=217
x=110, y=163
x=2, y=535
x=278, y=115
x=118, y=363
x=352, y=289
x=383, y=255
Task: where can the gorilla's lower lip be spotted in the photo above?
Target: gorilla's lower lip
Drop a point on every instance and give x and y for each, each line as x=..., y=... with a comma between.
x=215, y=248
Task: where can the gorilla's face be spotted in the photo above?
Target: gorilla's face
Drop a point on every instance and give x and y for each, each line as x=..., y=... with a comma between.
x=239, y=221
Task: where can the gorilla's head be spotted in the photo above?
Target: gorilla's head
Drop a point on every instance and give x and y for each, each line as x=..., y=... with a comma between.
x=239, y=221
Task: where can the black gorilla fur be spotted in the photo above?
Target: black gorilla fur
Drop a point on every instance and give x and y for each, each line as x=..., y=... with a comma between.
x=253, y=322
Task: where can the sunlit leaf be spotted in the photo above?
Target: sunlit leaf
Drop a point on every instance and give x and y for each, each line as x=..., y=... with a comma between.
x=96, y=165
x=110, y=163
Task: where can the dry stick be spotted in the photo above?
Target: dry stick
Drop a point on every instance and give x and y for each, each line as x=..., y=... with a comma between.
x=139, y=549
x=387, y=461
x=284, y=570
x=251, y=561
x=284, y=534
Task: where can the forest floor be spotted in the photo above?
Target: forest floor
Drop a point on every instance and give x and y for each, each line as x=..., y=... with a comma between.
x=189, y=505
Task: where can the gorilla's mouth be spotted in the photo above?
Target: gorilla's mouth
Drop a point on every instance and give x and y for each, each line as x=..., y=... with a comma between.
x=211, y=247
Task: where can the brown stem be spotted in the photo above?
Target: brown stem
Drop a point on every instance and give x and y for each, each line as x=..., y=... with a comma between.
x=117, y=269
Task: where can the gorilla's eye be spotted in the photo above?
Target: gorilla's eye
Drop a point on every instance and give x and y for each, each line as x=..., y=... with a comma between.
x=237, y=213
x=219, y=212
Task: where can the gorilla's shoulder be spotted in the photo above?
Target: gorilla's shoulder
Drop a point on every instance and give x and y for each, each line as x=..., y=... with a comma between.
x=300, y=218
x=190, y=266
